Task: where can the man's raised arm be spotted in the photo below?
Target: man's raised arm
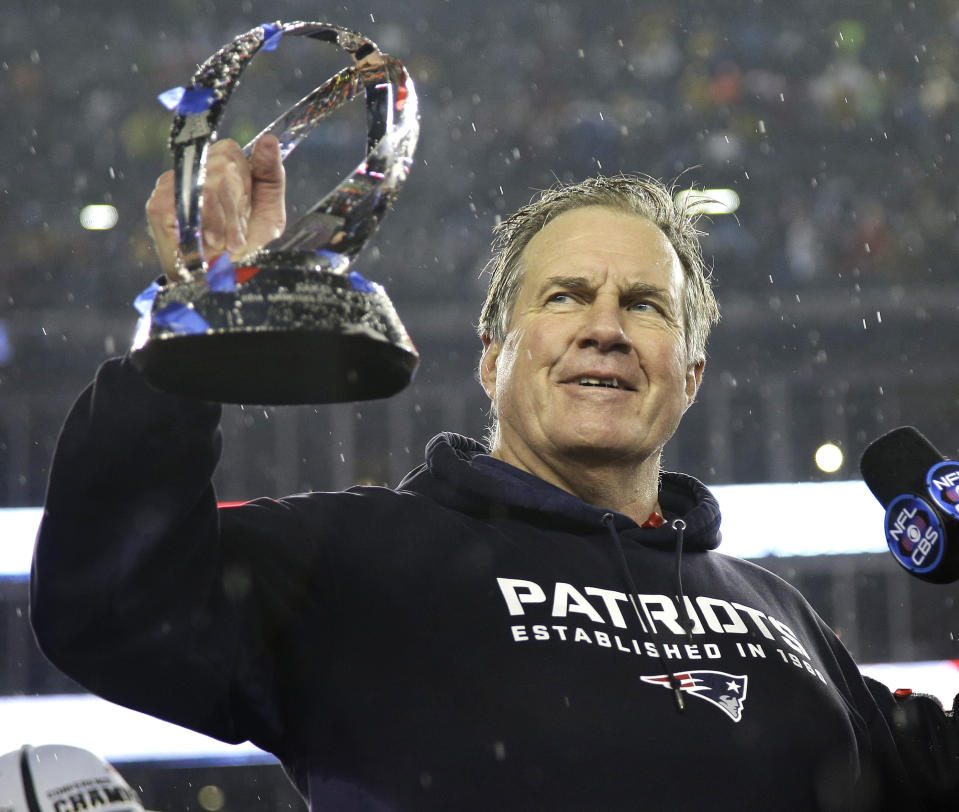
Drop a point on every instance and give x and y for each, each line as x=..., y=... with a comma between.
x=133, y=580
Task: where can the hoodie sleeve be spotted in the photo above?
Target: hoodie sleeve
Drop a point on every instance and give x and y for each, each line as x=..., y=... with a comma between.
x=904, y=765
x=927, y=737
x=140, y=590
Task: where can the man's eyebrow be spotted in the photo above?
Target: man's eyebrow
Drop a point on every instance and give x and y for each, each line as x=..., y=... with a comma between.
x=641, y=289
x=566, y=282
x=633, y=291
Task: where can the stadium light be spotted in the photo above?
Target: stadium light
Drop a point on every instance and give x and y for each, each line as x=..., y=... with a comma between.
x=829, y=458
x=707, y=201
x=98, y=217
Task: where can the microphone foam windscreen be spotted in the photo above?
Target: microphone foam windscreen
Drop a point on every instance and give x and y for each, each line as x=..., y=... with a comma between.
x=897, y=463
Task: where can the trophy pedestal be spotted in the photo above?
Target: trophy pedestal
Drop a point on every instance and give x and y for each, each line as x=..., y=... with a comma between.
x=284, y=336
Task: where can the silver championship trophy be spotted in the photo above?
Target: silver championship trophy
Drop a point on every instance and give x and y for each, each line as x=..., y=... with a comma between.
x=291, y=322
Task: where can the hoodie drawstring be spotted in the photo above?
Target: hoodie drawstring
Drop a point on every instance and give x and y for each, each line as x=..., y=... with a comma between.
x=679, y=526
x=687, y=623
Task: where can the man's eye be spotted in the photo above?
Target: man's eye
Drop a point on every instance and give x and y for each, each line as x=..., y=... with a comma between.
x=560, y=298
x=645, y=307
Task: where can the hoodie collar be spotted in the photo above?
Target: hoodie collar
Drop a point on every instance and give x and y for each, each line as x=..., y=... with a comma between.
x=460, y=473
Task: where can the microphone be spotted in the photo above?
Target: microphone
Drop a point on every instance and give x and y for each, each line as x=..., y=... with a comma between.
x=919, y=488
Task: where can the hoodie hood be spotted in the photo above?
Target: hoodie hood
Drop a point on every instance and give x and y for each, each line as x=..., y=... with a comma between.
x=460, y=473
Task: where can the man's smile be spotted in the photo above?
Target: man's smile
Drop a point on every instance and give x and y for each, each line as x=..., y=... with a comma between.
x=605, y=380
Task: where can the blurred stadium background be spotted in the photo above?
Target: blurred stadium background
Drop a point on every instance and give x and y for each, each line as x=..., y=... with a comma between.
x=835, y=123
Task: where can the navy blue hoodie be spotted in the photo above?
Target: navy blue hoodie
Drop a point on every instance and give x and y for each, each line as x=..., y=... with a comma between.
x=473, y=639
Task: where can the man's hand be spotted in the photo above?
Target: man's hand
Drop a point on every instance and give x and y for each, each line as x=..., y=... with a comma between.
x=244, y=203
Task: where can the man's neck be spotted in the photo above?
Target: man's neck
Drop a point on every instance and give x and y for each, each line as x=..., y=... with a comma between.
x=627, y=487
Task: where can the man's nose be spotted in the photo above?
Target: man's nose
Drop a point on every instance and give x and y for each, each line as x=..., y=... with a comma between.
x=603, y=328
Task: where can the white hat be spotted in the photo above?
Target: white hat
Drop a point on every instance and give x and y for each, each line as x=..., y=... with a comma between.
x=60, y=778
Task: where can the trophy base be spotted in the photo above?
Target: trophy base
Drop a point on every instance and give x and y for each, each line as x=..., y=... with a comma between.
x=288, y=336
x=277, y=368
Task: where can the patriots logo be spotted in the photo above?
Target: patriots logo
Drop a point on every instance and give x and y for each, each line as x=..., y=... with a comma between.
x=726, y=691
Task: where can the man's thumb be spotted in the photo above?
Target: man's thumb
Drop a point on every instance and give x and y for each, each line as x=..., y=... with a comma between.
x=266, y=163
x=268, y=195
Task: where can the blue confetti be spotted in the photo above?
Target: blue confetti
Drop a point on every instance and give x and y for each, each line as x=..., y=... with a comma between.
x=337, y=261
x=6, y=345
x=196, y=100
x=221, y=275
x=362, y=284
x=272, y=34
x=144, y=302
x=171, y=98
x=180, y=319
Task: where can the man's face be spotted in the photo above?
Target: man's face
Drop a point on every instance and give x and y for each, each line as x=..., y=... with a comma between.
x=593, y=367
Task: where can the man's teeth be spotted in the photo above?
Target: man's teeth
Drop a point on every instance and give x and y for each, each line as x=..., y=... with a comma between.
x=613, y=383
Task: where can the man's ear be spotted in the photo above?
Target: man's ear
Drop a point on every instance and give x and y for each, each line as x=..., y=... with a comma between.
x=694, y=377
x=487, y=367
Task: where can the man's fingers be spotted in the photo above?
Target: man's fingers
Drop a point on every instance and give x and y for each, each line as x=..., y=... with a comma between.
x=244, y=202
x=231, y=206
x=161, y=217
x=212, y=227
x=226, y=198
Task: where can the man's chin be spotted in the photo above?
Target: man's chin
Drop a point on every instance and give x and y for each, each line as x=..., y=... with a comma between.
x=607, y=451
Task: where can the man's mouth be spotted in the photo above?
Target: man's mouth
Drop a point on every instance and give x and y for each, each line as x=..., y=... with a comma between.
x=608, y=383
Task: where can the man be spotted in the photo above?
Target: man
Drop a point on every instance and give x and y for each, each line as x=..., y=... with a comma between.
x=540, y=624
